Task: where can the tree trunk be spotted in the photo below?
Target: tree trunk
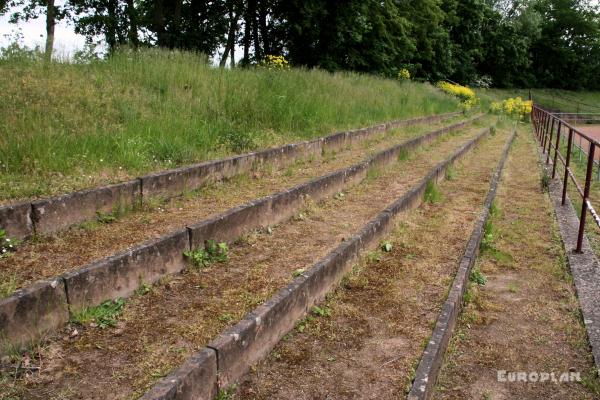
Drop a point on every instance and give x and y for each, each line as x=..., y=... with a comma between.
x=230, y=46
x=133, y=27
x=174, y=39
x=159, y=23
x=262, y=20
x=50, y=23
x=111, y=25
x=247, y=33
x=254, y=21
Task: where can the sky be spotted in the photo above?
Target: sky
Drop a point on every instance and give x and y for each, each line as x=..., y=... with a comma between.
x=66, y=41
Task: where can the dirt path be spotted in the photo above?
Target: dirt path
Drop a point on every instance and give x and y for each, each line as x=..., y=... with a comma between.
x=364, y=342
x=526, y=317
x=160, y=328
x=50, y=256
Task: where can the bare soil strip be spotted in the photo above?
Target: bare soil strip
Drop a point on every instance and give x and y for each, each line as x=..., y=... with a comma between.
x=50, y=256
x=366, y=339
x=162, y=327
x=526, y=317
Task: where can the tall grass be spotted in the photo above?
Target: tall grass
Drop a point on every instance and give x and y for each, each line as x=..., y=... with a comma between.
x=554, y=99
x=68, y=126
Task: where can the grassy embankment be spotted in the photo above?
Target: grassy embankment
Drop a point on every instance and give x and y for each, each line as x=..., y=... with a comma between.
x=555, y=99
x=70, y=126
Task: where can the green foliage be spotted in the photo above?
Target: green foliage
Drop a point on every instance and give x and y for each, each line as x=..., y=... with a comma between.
x=545, y=181
x=403, y=155
x=105, y=315
x=477, y=277
x=298, y=272
x=211, y=253
x=320, y=311
x=8, y=285
x=143, y=289
x=487, y=242
x=7, y=244
x=432, y=193
x=373, y=173
x=153, y=109
x=450, y=173
x=105, y=218
x=475, y=42
x=386, y=246
x=226, y=394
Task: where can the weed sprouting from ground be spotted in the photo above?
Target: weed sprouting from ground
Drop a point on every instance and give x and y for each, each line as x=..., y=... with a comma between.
x=432, y=193
x=8, y=284
x=487, y=241
x=320, y=311
x=545, y=181
x=477, y=277
x=226, y=394
x=211, y=253
x=7, y=244
x=298, y=272
x=386, y=246
x=494, y=210
x=104, y=315
x=105, y=218
x=373, y=173
x=488, y=246
x=143, y=289
x=450, y=173
x=403, y=155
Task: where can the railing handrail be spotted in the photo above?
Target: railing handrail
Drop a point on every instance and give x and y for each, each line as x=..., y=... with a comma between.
x=563, y=122
x=544, y=123
x=574, y=113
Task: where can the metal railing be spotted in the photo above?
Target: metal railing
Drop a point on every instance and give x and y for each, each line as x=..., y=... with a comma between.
x=579, y=118
x=545, y=126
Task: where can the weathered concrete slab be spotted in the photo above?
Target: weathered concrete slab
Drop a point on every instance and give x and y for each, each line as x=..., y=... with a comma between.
x=53, y=214
x=57, y=213
x=32, y=312
x=120, y=275
x=251, y=339
x=195, y=379
x=16, y=220
x=428, y=369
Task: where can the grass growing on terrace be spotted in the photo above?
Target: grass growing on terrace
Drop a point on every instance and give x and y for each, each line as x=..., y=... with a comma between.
x=69, y=126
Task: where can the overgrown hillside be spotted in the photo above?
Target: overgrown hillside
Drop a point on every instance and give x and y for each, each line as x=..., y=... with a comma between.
x=70, y=126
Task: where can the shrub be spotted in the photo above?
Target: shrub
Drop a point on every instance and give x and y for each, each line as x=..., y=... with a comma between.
x=404, y=75
x=272, y=62
x=513, y=107
x=465, y=94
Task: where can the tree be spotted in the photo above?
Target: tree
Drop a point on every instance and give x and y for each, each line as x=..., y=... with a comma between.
x=32, y=9
x=562, y=55
x=234, y=14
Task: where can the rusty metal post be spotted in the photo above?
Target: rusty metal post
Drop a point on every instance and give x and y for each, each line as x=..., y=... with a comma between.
x=550, y=142
x=586, y=193
x=567, y=163
x=537, y=124
x=556, y=150
x=544, y=131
